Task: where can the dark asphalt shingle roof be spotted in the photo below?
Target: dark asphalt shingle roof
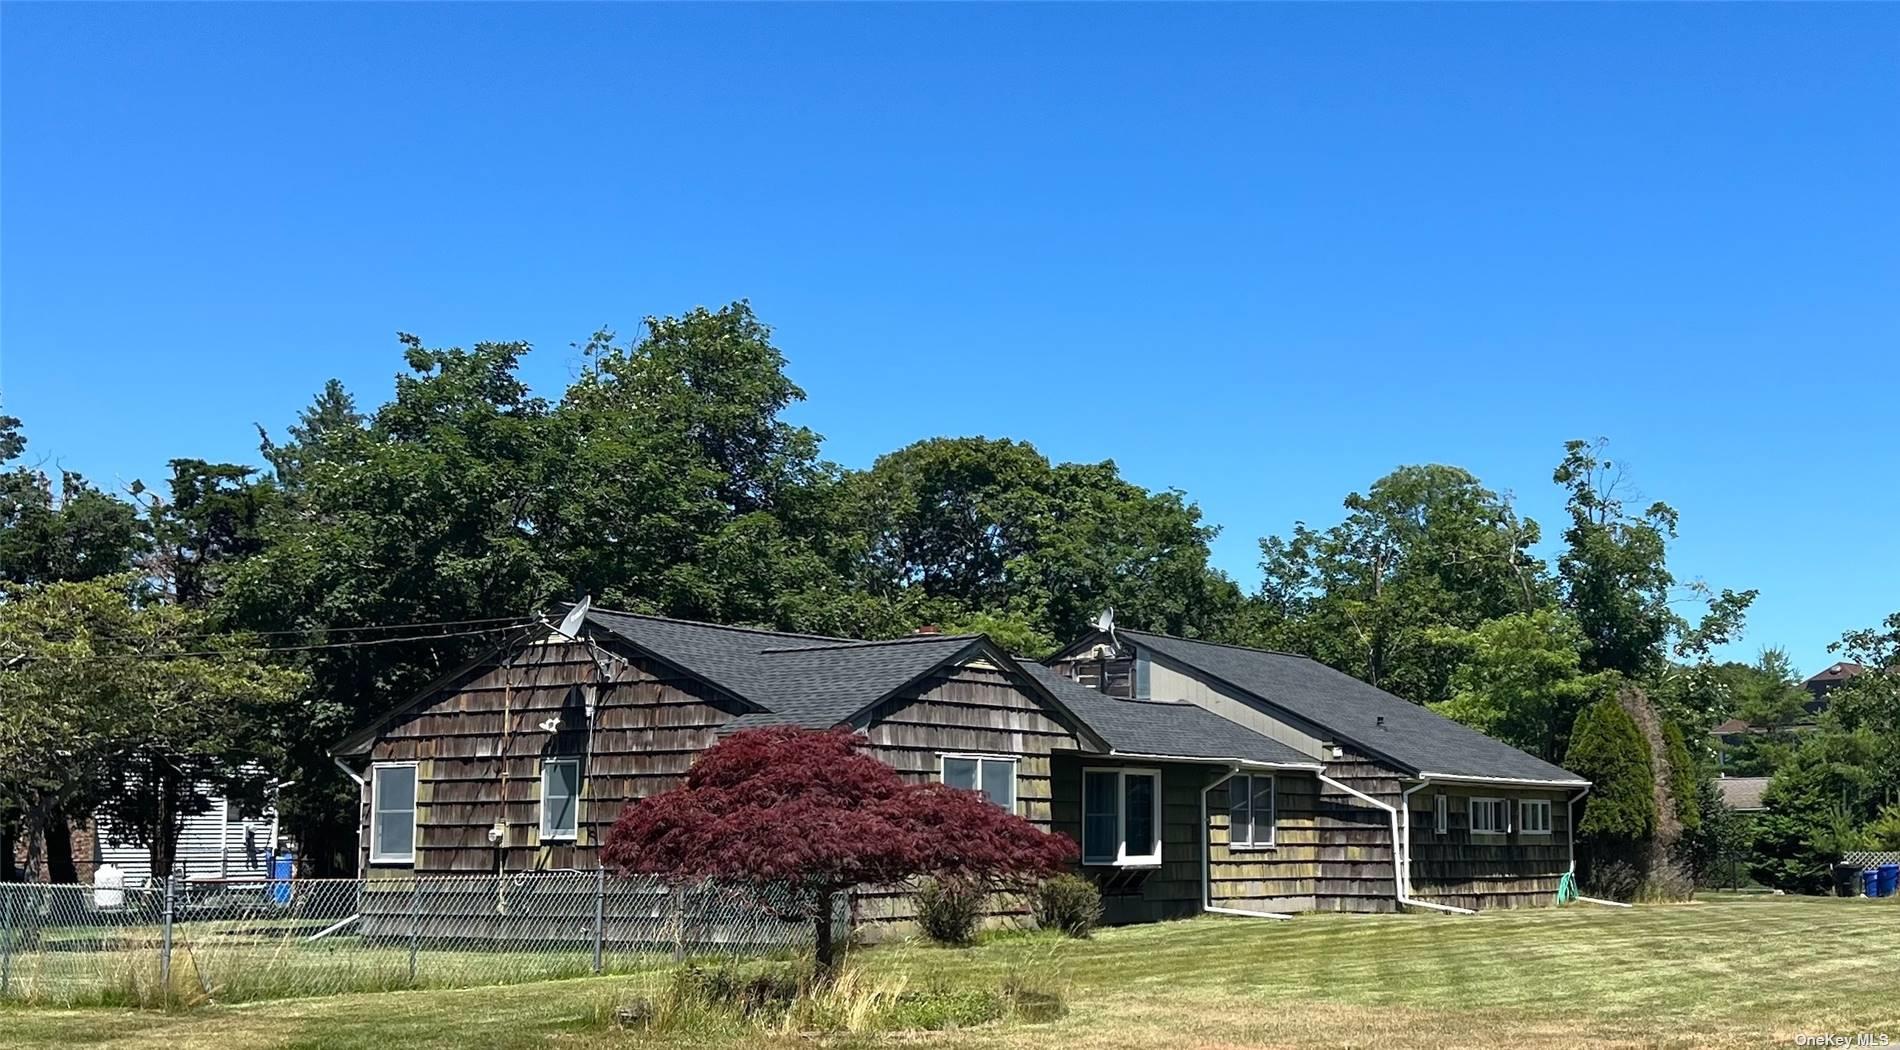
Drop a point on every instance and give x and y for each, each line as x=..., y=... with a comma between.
x=1181, y=730
x=801, y=679
x=1412, y=735
x=816, y=681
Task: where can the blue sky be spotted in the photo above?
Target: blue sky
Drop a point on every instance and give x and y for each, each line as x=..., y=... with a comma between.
x=1260, y=254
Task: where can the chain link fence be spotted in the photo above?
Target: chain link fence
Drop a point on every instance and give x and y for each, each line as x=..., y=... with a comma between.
x=180, y=942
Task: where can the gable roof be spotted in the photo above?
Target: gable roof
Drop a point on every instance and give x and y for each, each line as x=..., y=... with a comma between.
x=800, y=679
x=1411, y=736
x=1167, y=730
x=1743, y=794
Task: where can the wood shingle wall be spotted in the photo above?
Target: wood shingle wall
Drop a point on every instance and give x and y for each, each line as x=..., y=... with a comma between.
x=971, y=709
x=1487, y=871
x=1283, y=878
x=478, y=748
x=1355, y=855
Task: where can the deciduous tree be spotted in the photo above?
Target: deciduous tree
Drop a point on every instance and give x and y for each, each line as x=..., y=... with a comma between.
x=805, y=812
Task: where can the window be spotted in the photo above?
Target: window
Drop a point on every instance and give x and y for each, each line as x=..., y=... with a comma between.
x=560, y=798
x=1490, y=816
x=1534, y=816
x=994, y=778
x=1249, y=811
x=1441, y=815
x=392, y=803
x=1121, y=816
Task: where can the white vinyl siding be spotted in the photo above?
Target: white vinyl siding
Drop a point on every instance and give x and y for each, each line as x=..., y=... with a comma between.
x=992, y=776
x=1121, y=817
x=560, y=799
x=392, y=824
x=1250, y=811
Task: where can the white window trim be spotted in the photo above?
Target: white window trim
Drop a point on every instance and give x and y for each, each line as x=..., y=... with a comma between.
x=1123, y=859
x=1273, y=826
x=1471, y=814
x=375, y=782
x=559, y=836
x=1441, y=814
x=1524, y=825
x=977, y=756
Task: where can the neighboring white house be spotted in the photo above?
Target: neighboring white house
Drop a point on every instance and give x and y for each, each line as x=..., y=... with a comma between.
x=220, y=843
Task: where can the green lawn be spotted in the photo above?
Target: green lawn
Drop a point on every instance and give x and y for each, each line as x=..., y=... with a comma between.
x=1728, y=971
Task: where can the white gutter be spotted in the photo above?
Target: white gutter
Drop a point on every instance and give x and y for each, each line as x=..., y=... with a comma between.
x=1236, y=763
x=1207, y=858
x=347, y=771
x=1398, y=842
x=1454, y=778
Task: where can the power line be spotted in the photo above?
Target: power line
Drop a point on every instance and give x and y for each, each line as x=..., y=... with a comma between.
x=264, y=650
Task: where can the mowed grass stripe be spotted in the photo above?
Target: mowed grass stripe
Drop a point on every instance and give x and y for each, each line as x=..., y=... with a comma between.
x=1728, y=971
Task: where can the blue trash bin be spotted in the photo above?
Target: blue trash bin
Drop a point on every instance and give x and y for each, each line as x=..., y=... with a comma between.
x=282, y=867
x=1870, y=882
x=1889, y=879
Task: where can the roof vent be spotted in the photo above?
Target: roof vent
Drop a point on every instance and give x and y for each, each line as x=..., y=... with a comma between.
x=1380, y=721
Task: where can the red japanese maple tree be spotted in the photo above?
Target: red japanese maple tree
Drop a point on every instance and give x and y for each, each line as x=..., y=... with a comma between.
x=807, y=810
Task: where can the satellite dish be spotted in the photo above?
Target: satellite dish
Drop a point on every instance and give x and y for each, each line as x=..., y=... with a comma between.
x=577, y=615
x=1106, y=624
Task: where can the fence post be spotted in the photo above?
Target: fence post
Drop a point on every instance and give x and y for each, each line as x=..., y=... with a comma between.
x=165, y=944
x=6, y=936
x=679, y=923
x=600, y=902
x=415, y=925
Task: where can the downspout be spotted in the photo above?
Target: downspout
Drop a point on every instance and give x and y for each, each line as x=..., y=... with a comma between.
x=1570, y=813
x=1207, y=861
x=1398, y=864
x=1405, y=808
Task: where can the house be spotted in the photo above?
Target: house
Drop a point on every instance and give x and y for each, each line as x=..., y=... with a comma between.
x=1743, y=794
x=1208, y=778
x=222, y=842
x=1827, y=680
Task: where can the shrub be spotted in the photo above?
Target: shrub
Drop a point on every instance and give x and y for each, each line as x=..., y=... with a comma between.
x=1069, y=903
x=949, y=909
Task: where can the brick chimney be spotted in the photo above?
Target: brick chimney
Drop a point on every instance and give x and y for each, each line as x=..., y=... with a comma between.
x=929, y=628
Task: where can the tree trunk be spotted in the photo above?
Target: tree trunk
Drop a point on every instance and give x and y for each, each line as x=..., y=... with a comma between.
x=59, y=848
x=826, y=951
x=9, y=842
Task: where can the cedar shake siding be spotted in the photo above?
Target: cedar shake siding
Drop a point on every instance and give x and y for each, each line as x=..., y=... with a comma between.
x=1512, y=870
x=970, y=709
x=478, y=747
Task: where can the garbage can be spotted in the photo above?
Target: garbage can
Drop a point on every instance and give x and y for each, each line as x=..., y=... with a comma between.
x=1889, y=879
x=282, y=867
x=1870, y=882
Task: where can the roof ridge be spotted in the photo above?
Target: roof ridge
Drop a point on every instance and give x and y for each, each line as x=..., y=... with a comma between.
x=720, y=626
x=874, y=642
x=1220, y=645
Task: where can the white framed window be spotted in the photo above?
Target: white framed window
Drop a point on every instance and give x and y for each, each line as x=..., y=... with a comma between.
x=560, y=799
x=1250, y=811
x=992, y=776
x=392, y=813
x=1490, y=816
x=1121, y=817
x=1533, y=816
x=1441, y=815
